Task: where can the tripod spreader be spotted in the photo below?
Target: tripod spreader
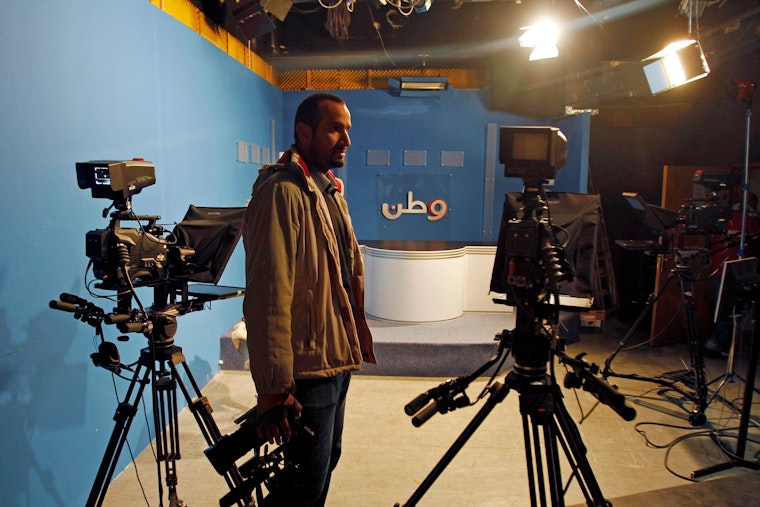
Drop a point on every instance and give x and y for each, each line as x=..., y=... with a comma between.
x=584, y=376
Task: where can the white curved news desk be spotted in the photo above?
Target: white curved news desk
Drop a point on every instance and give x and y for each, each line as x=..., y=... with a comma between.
x=427, y=281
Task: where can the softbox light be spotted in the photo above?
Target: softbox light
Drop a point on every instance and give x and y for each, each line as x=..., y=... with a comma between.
x=679, y=63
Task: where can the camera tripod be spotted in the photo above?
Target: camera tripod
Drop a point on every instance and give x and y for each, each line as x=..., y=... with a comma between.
x=693, y=378
x=157, y=367
x=545, y=419
x=528, y=266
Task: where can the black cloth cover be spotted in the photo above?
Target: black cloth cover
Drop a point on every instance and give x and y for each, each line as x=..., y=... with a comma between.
x=575, y=223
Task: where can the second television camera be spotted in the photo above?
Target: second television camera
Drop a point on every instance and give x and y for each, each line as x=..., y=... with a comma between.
x=529, y=260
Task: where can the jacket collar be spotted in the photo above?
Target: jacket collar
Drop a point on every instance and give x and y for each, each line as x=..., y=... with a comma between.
x=293, y=156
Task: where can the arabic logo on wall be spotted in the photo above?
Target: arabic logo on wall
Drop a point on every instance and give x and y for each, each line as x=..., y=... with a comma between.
x=436, y=209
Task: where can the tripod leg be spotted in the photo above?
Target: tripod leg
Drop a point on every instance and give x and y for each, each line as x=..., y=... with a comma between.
x=499, y=391
x=125, y=413
x=575, y=451
x=607, y=370
x=165, y=420
x=201, y=409
x=543, y=405
x=697, y=417
x=527, y=443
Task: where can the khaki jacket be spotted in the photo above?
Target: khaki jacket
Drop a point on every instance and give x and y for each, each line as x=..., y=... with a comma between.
x=297, y=313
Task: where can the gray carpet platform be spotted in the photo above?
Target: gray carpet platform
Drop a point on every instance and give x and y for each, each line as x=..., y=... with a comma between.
x=455, y=347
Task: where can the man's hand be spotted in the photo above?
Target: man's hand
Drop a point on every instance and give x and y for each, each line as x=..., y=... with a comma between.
x=275, y=429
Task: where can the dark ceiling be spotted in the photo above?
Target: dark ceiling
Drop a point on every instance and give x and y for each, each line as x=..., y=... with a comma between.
x=467, y=34
x=601, y=44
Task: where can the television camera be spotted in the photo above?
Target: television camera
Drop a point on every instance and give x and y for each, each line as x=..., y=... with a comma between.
x=530, y=263
x=707, y=217
x=196, y=250
x=123, y=259
x=528, y=268
x=711, y=214
x=704, y=214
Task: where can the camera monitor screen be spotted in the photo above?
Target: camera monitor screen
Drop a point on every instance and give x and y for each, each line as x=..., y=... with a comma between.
x=533, y=153
x=530, y=146
x=115, y=180
x=656, y=218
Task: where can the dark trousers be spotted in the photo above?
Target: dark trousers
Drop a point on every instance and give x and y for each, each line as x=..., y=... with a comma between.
x=324, y=407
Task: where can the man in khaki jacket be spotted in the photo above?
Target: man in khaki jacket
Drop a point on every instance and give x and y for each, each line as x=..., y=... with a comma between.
x=304, y=300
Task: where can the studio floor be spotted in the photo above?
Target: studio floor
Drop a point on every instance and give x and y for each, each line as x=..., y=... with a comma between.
x=645, y=462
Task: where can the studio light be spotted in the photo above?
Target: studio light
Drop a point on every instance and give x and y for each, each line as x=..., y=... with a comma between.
x=679, y=63
x=277, y=8
x=542, y=37
x=253, y=20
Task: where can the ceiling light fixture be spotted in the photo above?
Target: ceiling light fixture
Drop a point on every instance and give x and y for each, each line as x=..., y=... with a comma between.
x=416, y=86
x=677, y=64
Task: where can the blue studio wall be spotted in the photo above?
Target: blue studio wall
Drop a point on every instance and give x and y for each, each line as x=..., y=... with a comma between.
x=101, y=79
x=116, y=79
x=443, y=146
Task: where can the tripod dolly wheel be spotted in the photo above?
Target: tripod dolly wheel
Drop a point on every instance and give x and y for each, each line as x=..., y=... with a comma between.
x=697, y=418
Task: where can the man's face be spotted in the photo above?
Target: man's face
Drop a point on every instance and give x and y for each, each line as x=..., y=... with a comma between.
x=325, y=147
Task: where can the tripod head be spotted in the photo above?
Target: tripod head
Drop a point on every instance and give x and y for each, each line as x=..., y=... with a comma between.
x=157, y=323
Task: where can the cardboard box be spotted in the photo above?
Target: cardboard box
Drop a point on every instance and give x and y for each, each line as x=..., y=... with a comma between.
x=592, y=321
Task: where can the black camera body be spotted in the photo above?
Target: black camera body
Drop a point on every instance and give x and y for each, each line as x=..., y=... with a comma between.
x=120, y=255
x=523, y=238
x=710, y=217
x=144, y=255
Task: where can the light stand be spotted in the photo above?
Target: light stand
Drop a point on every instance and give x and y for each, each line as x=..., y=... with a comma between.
x=745, y=90
x=737, y=458
x=731, y=375
x=744, y=94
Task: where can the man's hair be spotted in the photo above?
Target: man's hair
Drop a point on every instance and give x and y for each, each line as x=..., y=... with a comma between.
x=308, y=110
